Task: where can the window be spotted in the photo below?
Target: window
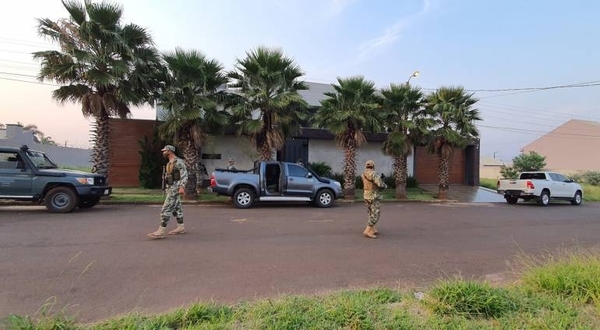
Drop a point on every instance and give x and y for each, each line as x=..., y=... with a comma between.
x=8, y=160
x=533, y=176
x=561, y=178
x=297, y=171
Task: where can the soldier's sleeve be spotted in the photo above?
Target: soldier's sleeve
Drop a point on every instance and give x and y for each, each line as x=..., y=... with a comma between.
x=183, y=173
x=378, y=181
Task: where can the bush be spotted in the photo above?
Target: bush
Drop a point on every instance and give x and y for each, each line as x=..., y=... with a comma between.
x=411, y=182
x=589, y=177
x=150, y=173
x=321, y=168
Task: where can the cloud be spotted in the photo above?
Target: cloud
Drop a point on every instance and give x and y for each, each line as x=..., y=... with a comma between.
x=391, y=34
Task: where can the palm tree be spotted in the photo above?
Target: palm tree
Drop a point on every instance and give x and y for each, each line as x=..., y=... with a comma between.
x=347, y=112
x=402, y=106
x=269, y=107
x=101, y=64
x=189, y=106
x=38, y=136
x=452, y=110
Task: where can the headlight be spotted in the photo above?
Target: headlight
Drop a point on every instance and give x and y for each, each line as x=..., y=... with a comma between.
x=337, y=183
x=89, y=181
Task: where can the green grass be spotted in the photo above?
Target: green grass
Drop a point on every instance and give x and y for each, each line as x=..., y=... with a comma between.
x=140, y=195
x=590, y=193
x=557, y=291
x=488, y=183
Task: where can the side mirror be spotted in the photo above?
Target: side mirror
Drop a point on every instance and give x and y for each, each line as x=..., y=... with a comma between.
x=309, y=175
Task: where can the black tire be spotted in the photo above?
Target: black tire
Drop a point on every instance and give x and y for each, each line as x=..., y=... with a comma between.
x=511, y=200
x=324, y=198
x=88, y=202
x=577, y=199
x=243, y=198
x=61, y=200
x=544, y=198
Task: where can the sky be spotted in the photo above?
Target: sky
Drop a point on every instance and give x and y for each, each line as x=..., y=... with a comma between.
x=498, y=45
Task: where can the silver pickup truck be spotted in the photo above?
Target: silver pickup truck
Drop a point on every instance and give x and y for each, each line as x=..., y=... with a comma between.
x=275, y=181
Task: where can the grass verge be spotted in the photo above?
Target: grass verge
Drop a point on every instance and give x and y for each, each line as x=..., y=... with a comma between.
x=558, y=291
x=140, y=195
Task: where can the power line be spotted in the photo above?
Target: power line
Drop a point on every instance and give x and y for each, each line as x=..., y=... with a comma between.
x=18, y=74
x=20, y=62
x=30, y=82
x=581, y=84
x=15, y=51
x=25, y=41
x=522, y=130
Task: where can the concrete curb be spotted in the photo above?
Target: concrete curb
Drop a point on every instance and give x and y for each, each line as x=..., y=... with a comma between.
x=339, y=201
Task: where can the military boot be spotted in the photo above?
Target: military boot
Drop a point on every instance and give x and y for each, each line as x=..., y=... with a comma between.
x=375, y=232
x=179, y=230
x=368, y=232
x=159, y=233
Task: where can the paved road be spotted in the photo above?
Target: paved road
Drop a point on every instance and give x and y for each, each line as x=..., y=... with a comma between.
x=99, y=263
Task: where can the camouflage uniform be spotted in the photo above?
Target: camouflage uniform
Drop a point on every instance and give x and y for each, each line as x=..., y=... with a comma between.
x=373, y=184
x=172, y=204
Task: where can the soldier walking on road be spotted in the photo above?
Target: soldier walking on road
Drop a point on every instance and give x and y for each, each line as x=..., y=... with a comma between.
x=175, y=179
x=372, y=184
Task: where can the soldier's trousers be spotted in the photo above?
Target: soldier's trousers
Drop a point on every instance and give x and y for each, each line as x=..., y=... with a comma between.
x=171, y=206
x=373, y=211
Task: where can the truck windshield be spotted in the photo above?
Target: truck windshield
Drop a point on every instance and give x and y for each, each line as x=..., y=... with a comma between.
x=533, y=176
x=40, y=160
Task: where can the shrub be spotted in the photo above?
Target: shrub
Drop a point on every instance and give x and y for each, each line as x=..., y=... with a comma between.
x=589, y=177
x=150, y=173
x=321, y=168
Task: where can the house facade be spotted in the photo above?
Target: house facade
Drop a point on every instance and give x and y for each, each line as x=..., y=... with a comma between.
x=570, y=148
x=310, y=144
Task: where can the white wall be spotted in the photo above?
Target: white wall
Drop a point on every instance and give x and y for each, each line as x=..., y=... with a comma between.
x=239, y=148
x=326, y=151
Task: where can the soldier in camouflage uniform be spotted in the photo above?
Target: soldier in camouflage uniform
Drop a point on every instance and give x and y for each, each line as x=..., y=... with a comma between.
x=373, y=184
x=176, y=177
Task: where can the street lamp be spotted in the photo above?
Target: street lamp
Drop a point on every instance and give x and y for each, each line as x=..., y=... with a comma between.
x=416, y=73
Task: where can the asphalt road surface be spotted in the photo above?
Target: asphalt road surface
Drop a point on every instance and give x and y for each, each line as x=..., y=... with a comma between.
x=99, y=263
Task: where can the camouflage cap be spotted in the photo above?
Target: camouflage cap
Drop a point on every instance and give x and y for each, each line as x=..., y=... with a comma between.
x=370, y=163
x=168, y=147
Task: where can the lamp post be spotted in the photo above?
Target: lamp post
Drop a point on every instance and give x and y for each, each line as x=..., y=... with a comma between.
x=416, y=73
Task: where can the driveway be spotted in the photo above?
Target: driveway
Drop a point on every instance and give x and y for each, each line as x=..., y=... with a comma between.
x=469, y=194
x=99, y=263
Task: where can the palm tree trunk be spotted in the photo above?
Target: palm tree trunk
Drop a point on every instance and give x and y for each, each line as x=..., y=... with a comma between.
x=190, y=156
x=266, y=153
x=400, y=176
x=100, y=156
x=443, y=176
x=349, y=169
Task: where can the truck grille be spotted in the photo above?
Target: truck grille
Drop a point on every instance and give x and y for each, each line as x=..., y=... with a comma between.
x=99, y=181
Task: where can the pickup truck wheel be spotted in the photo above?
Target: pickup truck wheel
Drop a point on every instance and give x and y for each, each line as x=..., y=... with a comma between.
x=544, y=198
x=243, y=198
x=577, y=199
x=324, y=198
x=61, y=200
x=511, y=200
x=88, y=202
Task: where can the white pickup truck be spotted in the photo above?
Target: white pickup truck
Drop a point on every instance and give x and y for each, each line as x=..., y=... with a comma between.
x=541, y=186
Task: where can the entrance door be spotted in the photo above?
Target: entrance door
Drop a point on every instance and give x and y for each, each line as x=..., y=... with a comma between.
x=295, y=149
